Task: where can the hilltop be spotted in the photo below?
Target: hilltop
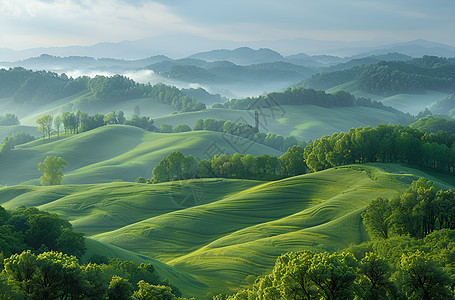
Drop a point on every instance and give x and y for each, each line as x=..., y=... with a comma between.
x=116, y=152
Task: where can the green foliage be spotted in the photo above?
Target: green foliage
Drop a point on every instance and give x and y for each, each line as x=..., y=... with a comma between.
x=15, y=139
x=302, y=96
x=45, y=125
x=176, y=166
x=394, y=77
x=384, y=143
x=246, y=131
x=140, y=179
x=182, y=128
x=165, y=128
x=433, y=125
x=119, y=289
x=421, y=278
x=52, y=168
x=54, y=275
x=40, y=87
x=9, y=120
x=141, y=122
x=118, y=88
x=418, y=212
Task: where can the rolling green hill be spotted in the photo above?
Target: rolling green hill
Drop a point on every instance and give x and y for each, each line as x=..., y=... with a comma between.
x=307, y=122
x=116, y=152
x=216, y=232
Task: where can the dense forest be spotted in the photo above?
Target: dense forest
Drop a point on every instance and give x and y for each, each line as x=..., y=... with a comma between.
x=42, y=87
x=394, y=77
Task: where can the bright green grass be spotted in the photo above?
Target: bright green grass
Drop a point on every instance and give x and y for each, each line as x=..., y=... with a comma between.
x=407, y=103
x=216, y=232
x=116, y=152
x=308, y=122
x=225, y=241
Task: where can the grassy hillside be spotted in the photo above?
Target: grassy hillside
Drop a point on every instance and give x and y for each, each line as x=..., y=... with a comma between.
x=226, y=229
x=116, y=152
x=307, y=122
x=408, y=103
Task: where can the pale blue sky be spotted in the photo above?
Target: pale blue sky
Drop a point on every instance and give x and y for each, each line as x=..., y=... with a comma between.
x=34, y=23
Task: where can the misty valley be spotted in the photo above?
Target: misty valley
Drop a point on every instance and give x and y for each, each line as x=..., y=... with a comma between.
x=228, y=174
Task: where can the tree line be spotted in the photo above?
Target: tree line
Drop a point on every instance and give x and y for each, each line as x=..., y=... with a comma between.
x=247, y=131
x=305, y=96
x=55, y=275
x=394, y=77
x=40, y=259
x=9, y=120
x=406, y=257
x=176, y=166
x=17, y=138
x=42, y=87
x=384, y=143
x=32, y=229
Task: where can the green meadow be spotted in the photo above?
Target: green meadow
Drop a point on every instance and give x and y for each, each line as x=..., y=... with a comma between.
x=116, y=152
x=211, y=234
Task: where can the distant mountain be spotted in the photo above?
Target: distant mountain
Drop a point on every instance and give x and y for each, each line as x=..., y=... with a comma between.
x=416, y=48
x=57, y=63
x=178, y=46
x=241, y=56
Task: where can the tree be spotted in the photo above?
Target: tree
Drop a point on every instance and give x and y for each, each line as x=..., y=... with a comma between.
x=376, y=218
x=137, y=111
x=110, y=118
x=140, y=179
x=165, y=128
x=52, y=168
x=45, y=125
x=58, y=121
x=151, y=292
x=119, y=289
x=199, y=124
x=421, y=278
x=182, y=128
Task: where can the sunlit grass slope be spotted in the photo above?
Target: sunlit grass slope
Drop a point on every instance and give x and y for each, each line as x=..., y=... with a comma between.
x=307, y=122
x=116, y=152
x=242, y=234
x=217, y=231
x=407, y=103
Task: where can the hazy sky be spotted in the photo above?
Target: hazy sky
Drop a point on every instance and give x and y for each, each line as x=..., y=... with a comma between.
x=33, y=23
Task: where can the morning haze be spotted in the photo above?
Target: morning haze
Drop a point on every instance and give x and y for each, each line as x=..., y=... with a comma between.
x=227, y=150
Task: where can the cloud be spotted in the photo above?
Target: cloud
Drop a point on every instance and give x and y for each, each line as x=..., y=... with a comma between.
x=28, y=23
x=63, y=22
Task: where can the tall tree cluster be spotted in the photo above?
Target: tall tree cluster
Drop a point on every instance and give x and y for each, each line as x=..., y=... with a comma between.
x=384, y=143
x=418, y=212
x=176, y=166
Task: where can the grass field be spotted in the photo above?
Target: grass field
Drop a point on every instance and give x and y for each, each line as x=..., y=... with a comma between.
x=210, y=234
x=116, y=152
x=307, y=122
x=407, y=103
